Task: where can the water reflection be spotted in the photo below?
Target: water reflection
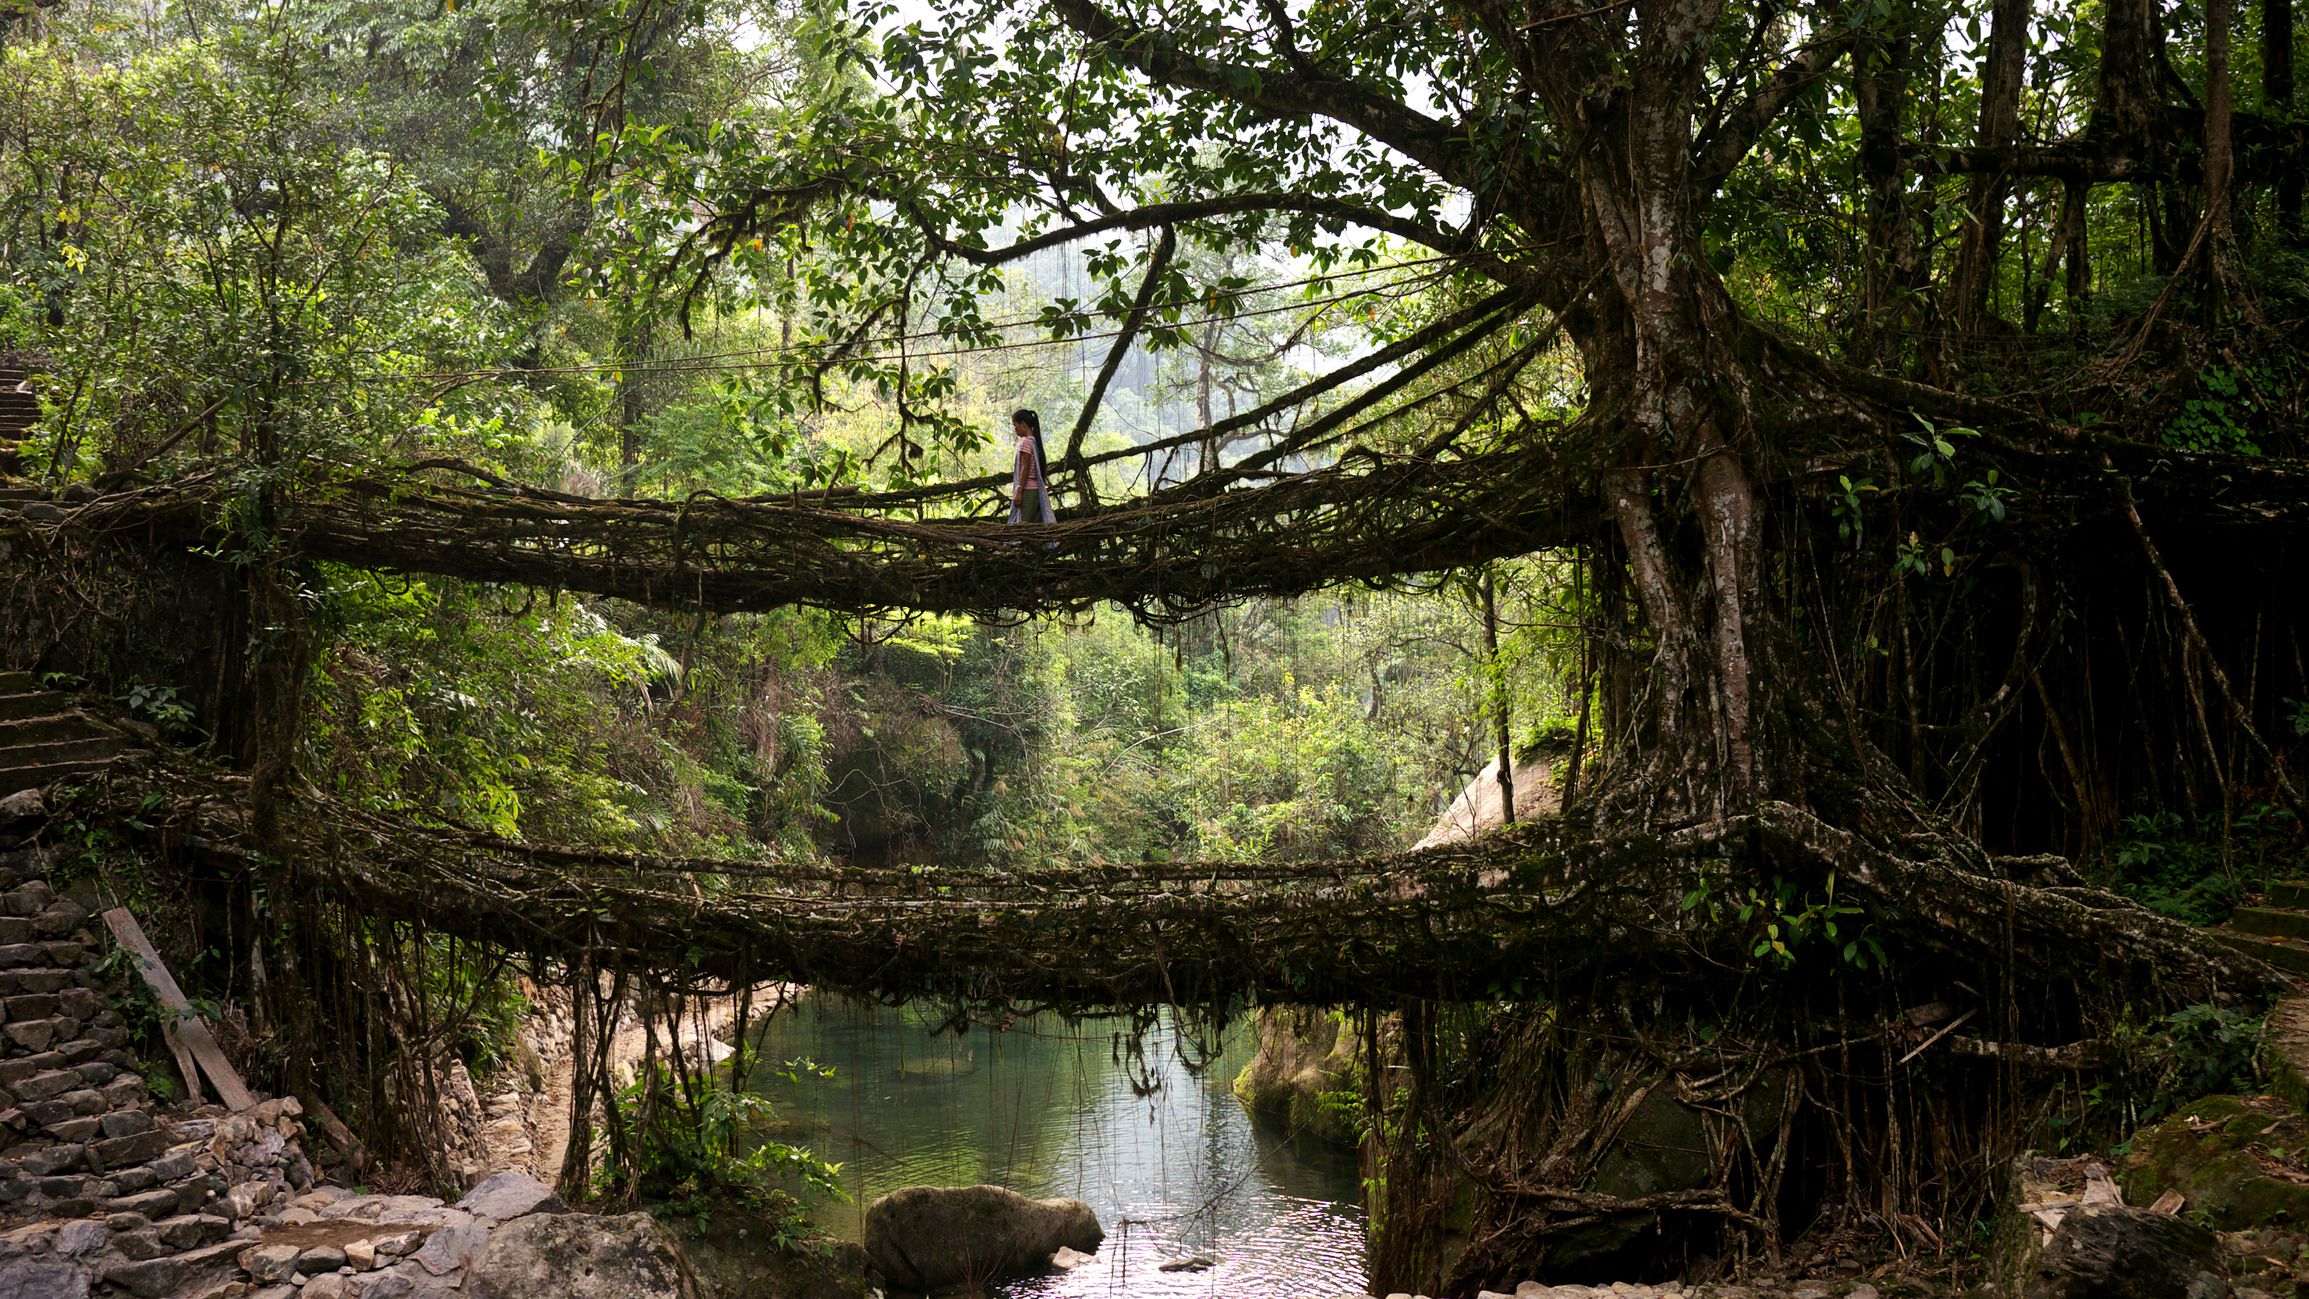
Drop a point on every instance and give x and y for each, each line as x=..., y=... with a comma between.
x=1170, y=1162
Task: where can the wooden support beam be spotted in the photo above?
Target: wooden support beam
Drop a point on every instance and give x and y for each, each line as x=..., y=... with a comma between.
x=186, y=1032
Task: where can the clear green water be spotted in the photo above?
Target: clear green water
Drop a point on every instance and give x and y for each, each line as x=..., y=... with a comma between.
x=1162, y=1152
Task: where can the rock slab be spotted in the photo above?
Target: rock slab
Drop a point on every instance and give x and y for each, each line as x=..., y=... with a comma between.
x=2112, y=1251
x=580, y=1256
x=509, y=1195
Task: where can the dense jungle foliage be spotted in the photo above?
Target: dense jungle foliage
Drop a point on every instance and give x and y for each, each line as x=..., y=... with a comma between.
x=370, y=225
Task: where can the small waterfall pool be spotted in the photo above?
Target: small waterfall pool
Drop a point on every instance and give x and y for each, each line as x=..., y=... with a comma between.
x=1170, y=1161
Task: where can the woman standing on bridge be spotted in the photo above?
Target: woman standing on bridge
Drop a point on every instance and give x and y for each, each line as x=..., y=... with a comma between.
x=1029, y=487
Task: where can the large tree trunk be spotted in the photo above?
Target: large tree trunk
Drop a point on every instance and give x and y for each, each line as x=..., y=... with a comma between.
x=1970, y=283
x=1891, y=278
x=2277, y=97
x=1683, y=496
x=1730, y=714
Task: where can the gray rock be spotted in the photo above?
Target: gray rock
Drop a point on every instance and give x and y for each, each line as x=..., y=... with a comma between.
x=25, y=1279
x=422, y=1209
x=143, y=1243
x=191, y=1230
x=81, y=1236
x=127, y=1123
x=55, y=1159
x=196, y=1272
x=407, y=1283
x=397, y=1244
x=506, y=1196
x=271, y=1262
x=452, y=1247
x=925, y=1237
x=580, y=1256
x=395, y=1284
x=2112, y=1251
x=28, y=1239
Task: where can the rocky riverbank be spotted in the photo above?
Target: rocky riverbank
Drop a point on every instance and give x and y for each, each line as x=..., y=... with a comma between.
x=108, y=1192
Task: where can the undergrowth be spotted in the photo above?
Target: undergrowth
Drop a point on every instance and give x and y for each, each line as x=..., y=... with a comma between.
x=698, y=1148
x=2198, y=870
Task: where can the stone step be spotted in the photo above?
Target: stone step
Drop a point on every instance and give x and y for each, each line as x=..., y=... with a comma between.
x=2289, y=954
x=2285, y=1050
x=15, y=682
x=2289, y=893
x=18, y=779
x=72, y=748
x=2270, y=922
x=32, y=703
x=46, y=728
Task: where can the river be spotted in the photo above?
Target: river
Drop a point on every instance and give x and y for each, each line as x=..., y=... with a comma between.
x=1165, y=1155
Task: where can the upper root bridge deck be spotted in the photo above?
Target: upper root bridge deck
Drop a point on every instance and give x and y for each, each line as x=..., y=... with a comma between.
x=1369, y=517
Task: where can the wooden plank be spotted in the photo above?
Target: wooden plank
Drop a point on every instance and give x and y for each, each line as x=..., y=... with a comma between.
x=189, y=1028
x=332, y=1127
x=184, y=1066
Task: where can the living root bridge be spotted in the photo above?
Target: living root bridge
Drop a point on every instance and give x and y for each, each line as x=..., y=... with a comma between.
x=1179, y=550
x=1369, y=518
x=1536, y=902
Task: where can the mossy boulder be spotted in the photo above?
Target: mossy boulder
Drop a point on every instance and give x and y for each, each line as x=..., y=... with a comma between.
x=925, y=1238
x=2237, y=1160
x=1305, y=1060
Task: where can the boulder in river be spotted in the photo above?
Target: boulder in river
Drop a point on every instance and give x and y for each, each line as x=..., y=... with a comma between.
x=924, y=1237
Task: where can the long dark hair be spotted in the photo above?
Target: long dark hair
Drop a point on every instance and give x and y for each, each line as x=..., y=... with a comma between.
x=1033, y=423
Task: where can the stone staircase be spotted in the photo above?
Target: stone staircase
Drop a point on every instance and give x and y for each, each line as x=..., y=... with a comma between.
x=105, y=1191
x=19, y=409
x=2277, y=931
x=45, y=738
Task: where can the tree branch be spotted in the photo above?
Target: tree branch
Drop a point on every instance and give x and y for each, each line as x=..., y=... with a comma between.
x=1716, y=156
x=1432, y=143
x=1159, y=267
x=1154, y=215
